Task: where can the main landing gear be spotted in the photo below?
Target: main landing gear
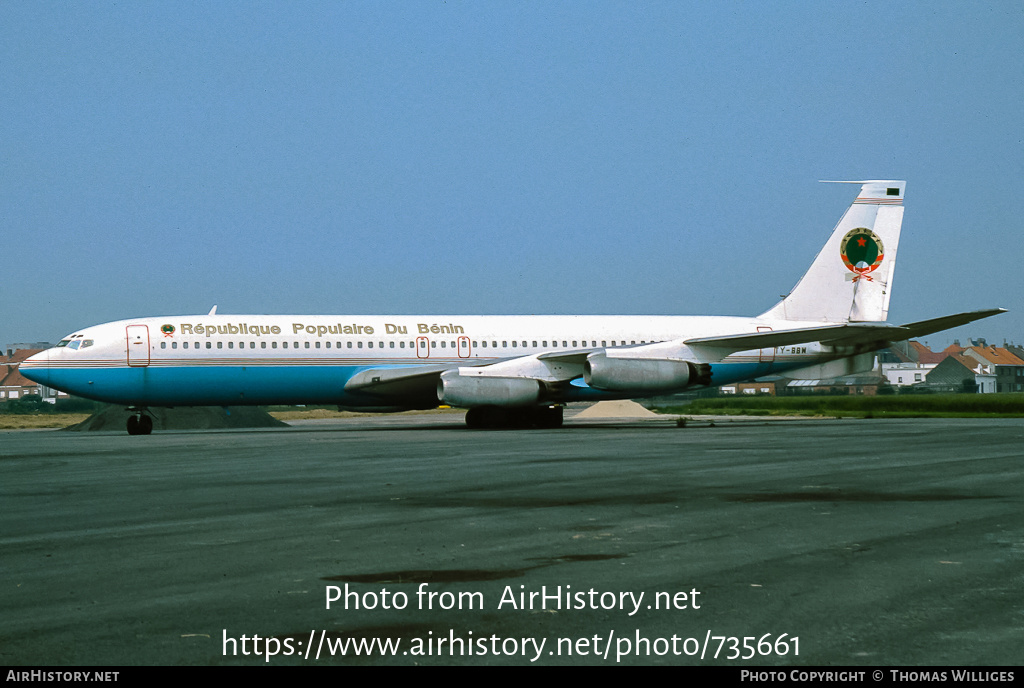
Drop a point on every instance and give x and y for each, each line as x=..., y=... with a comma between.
x=494, y=417
x=139, y=423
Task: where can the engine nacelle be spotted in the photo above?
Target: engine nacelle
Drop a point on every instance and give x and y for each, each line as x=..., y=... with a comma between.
x=643, y=374
x=473, y=390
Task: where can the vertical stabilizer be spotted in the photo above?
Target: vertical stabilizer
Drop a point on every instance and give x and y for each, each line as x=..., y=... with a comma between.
x=851, y=278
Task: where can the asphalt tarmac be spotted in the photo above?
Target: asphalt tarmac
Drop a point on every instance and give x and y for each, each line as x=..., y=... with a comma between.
x=844, y=542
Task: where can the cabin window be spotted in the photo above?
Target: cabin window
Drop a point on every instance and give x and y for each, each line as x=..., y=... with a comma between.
x=284, y=345
x=317, y=345
x=174, y=345
x=369, y=345
x=209, y=345
x=231, y=345
x=163, y=345
x=392, y=344
x=263, y=345
x=220, y=345
x=350, y=345
x=327, y=344
x=574, y=342
x=359, y=345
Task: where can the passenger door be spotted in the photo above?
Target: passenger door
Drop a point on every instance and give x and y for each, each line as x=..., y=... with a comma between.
x=138, y=345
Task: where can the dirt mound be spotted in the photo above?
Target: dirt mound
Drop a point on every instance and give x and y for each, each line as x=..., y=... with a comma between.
x=616, y=409
x=184, y=418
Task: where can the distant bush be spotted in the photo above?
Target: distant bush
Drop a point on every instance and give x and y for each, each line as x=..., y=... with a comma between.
x=34, y=404
x=878, y=406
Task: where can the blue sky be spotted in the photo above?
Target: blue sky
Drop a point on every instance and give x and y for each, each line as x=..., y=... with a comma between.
x=498, y=157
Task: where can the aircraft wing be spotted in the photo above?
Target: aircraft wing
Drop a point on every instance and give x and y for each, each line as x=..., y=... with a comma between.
x=415, y=386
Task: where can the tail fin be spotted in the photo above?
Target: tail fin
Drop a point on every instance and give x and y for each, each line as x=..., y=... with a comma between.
x=851, y=278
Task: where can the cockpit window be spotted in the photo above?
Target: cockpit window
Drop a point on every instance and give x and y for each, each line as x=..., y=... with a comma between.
x=75, y=344
x=87, y=343
x=63, y=342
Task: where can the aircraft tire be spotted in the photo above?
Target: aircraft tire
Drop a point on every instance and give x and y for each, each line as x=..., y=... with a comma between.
x=549, y=417
x=496, y=417
x=139, y=425
x=490, y=417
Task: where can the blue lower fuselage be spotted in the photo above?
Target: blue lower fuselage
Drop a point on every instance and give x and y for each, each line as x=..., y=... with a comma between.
x=233, y=385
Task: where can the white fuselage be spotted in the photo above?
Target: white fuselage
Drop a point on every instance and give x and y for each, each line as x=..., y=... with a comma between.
x=284, y=359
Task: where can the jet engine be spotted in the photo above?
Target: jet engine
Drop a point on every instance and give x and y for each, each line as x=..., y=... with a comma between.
x=643, y=374
x=474, y=390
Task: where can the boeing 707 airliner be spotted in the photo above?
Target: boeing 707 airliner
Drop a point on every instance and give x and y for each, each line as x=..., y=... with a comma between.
x=506, y=370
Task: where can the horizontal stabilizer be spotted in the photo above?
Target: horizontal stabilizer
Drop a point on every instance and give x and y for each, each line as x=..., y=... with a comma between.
x=925, y=327
x=828, y=334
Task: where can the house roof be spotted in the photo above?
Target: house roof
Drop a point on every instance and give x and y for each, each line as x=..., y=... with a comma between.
x=10, y=376
x=926, y=355
x=18, y=356
x=993, y=354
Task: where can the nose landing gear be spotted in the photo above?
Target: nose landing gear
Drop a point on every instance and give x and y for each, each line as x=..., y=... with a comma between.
x=139, y=423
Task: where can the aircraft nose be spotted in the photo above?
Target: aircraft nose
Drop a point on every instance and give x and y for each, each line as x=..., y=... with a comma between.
x=37, y=367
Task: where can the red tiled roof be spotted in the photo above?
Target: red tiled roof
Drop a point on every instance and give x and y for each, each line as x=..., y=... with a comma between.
x=19, y=356
x=926, y=355
x=9, y=374
x=965, y=361
x=994, y=354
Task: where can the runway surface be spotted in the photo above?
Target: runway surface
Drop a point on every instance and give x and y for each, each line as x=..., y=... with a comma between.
x=872, y=542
